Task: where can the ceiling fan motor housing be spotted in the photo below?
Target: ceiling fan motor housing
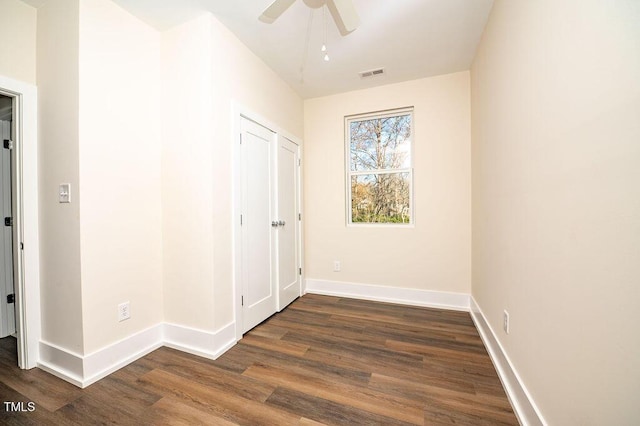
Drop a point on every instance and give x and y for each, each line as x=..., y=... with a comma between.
x=315, y=4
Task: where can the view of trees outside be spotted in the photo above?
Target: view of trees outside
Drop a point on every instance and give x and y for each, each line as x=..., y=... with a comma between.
x=380, y=174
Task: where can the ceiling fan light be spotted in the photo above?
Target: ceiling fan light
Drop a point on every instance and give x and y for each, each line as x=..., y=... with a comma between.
x=324, y=48
x=326, y=57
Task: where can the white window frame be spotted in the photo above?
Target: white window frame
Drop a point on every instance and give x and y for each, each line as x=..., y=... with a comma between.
x=349, y=173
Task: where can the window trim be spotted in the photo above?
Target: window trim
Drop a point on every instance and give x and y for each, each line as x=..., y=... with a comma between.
x=349, y=173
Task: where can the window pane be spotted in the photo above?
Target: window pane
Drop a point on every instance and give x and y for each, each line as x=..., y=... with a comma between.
x=380, y=198
x=380, y=143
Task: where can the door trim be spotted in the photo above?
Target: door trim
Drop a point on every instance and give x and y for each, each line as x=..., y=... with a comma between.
x=239, y=111
x=25, y=208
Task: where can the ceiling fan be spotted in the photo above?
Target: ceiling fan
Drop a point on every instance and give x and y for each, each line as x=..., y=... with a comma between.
x=342, y=11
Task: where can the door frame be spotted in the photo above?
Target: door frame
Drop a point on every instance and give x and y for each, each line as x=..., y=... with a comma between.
x=239, y=112
x=26, y=247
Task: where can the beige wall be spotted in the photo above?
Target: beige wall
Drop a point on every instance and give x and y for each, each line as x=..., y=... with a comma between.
x=187, y=156
x=206, y=69
x=436, y=253
x=99, y=125
x=556, y=201
x=58, y=162
x=120, y=146
x=111, y=91
x=18, y=46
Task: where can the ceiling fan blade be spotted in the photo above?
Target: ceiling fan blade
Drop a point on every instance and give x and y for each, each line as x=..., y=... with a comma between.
x=274, y=11
x=345, y=15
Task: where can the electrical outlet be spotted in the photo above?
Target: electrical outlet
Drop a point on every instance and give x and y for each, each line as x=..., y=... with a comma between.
x=505, y=321
x=123, y=311
x=336, y=266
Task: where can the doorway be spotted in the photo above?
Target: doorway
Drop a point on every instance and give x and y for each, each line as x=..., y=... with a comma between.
x=20, y=107
x=268, y=228
x=7, y=290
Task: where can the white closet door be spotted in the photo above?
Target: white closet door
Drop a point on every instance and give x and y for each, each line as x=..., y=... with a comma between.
x=288, y=231
x=258, y=236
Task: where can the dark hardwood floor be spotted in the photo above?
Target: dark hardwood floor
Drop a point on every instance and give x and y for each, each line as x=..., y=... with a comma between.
x=323, y=360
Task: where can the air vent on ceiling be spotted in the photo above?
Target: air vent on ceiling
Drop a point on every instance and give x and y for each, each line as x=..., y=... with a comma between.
x=371, y=73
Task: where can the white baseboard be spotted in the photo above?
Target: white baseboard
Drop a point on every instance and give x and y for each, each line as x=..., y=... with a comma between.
x=105, y=361
x=199, y=342
x=83, y=370
x=61, y=362
x=404, y=296
x=523, y=404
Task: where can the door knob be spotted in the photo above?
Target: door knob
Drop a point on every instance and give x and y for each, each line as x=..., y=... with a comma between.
x=274, y=224
x=281, y=222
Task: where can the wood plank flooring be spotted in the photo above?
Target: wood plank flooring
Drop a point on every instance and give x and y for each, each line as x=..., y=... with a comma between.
x=323, y=360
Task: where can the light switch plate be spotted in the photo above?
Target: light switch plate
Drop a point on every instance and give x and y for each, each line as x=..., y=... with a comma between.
x=64, y=193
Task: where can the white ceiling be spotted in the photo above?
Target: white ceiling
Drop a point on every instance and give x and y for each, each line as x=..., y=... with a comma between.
x=409, y=38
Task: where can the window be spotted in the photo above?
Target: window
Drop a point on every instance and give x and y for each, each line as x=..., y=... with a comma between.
x=379, y=169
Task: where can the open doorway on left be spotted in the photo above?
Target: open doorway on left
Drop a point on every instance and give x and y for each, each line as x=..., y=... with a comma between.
x=8, y=331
